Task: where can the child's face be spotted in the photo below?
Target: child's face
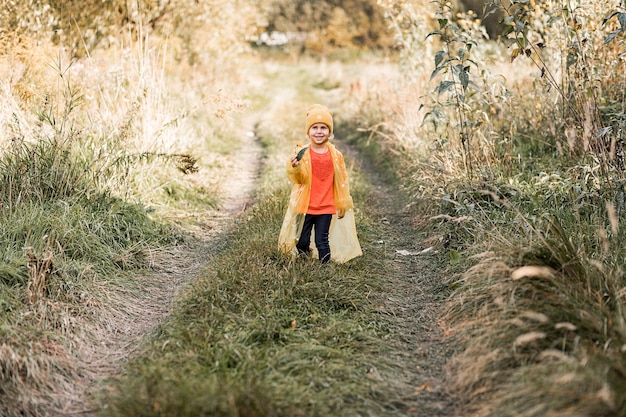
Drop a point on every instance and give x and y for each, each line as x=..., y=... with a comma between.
x=319, y=133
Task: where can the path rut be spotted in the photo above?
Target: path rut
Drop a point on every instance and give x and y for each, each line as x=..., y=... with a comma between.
x=411, y=305
x=142, y=310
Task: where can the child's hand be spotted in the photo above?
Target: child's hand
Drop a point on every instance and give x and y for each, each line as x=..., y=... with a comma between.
x=341, y=213
x=295, y=161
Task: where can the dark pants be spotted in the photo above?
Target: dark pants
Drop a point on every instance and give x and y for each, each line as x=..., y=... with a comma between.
x=321, y=222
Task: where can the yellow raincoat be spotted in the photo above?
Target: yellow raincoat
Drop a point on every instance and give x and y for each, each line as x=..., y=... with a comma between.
x=344, y=243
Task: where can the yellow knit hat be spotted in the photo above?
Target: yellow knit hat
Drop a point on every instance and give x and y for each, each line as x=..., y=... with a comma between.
x=318, y=113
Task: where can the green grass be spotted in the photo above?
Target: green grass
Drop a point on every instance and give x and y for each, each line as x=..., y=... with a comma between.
x=62, y=239
x=259, y=333
x=52, y=203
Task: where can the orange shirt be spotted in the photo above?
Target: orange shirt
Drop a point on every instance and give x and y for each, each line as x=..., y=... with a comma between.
x=322, y=198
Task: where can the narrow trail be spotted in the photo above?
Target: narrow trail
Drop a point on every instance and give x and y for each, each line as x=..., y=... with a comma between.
x=140, y=311
x=411, y=305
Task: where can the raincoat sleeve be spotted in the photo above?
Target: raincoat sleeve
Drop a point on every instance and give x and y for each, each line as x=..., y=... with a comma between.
x=300, y=177
x=297, y=174
x=343, y=199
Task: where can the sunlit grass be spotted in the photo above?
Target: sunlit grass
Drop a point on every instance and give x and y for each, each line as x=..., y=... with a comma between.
x=104, y=160
x=533, y=240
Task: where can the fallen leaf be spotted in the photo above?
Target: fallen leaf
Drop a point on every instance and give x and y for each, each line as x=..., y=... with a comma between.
x=424, y=387
x=373, y=374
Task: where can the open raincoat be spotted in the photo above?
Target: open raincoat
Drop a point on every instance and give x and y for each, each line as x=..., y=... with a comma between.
x=344, y=243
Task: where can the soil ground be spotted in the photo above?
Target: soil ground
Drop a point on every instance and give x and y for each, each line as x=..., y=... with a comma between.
x=412, y=304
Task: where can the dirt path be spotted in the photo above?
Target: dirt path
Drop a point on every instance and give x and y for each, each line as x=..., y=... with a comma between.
x=411, y=305
x=139, y=311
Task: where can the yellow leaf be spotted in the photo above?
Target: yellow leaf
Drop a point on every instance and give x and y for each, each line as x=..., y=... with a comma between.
x=515, y=53
x=424, y=387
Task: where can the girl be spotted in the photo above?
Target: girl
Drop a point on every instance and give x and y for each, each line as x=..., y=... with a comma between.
x=320, y=204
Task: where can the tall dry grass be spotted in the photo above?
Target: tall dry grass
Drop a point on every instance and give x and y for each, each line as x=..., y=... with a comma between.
x=104, y=153
x=533, y=240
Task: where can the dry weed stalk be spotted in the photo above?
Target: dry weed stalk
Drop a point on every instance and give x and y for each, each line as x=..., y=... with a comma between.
x=39, y=271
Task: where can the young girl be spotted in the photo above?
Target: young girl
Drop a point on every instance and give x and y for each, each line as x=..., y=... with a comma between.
x=320, y=204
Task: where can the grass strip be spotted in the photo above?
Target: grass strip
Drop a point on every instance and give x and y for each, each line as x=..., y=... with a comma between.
x=261, y=334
